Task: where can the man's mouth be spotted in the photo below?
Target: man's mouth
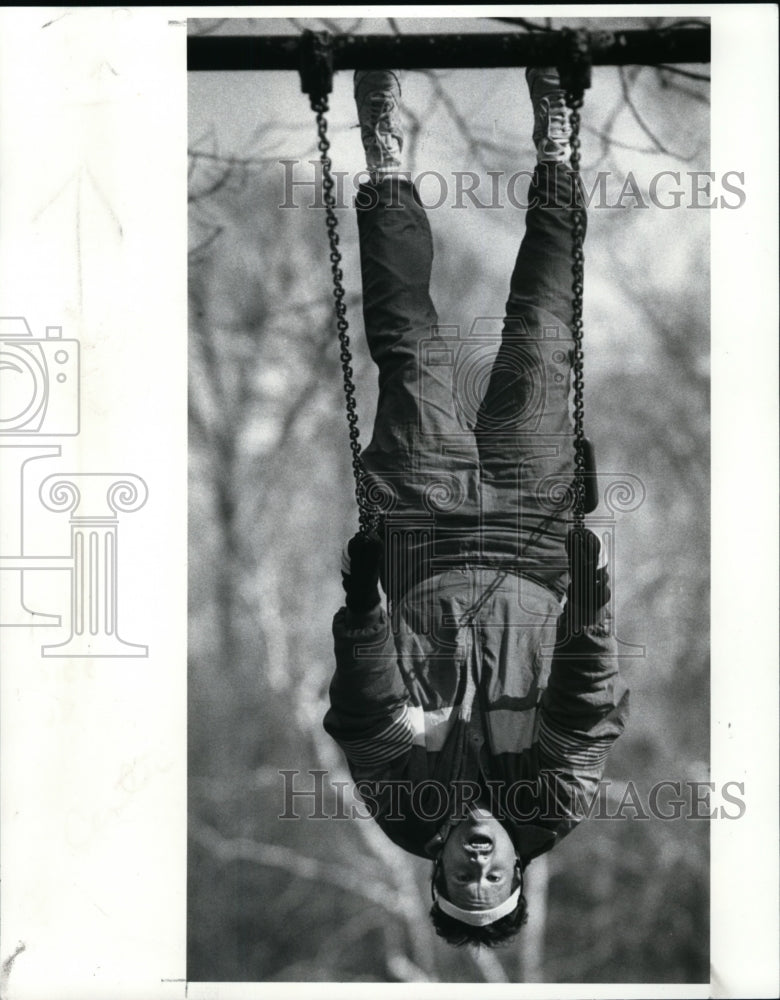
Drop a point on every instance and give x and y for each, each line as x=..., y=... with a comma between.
x=479, y=844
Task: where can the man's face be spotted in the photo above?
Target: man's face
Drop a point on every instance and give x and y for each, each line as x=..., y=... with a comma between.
x=478, y=862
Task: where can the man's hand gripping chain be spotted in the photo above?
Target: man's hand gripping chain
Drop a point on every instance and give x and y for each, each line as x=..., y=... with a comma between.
x=589, y=579
x=360, y=563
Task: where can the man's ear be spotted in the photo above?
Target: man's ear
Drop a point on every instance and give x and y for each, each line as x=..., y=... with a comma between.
x=435, y=845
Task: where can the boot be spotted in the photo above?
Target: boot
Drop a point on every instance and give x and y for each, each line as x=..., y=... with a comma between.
x=552, y=128
x=378, y=95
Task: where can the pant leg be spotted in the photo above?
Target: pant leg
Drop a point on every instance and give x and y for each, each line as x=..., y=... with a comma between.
x=542, y=277
x=524, y=430
x=422, y=460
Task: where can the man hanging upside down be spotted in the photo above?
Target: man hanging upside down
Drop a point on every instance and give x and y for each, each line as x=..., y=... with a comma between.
x=476, y=716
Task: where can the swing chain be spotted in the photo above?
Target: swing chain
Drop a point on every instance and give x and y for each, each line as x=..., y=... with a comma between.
x=367, y=514
x=575, y=78
x=316, y=81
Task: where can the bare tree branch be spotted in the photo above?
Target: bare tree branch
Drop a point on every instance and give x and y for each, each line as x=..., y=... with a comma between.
x=202, y=248
x=489, y=966
x=275, y=856
x=232, y=161
x=345, y=936
x=637, y=117
x=205, y=26
x=679, y=71
x=521, y=22
x=609, y=141
x=405, y=971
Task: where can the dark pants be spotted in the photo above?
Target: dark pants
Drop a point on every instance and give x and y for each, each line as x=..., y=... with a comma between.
x=472, y=455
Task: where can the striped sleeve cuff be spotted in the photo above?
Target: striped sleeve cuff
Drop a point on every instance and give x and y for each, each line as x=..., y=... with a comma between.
x=572, y=751
x=392, y=742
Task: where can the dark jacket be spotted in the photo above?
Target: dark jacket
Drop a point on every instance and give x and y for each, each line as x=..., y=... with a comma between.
x=475, y=687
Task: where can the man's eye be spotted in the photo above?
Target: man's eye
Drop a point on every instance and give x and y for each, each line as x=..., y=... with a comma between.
x=493, y=877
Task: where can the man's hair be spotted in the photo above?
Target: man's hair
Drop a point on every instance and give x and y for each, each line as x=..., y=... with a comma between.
x=456, y=933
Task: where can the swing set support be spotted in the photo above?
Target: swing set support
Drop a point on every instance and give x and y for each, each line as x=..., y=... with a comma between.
x=638, y=47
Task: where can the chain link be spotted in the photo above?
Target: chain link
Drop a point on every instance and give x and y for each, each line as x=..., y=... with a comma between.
x=368, y=515
x=574, y=102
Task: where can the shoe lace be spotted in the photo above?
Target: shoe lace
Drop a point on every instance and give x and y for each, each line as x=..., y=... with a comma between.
x=379, y=124
x=554, y=117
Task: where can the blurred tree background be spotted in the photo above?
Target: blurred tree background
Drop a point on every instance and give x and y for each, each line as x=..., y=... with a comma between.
x=271, y=505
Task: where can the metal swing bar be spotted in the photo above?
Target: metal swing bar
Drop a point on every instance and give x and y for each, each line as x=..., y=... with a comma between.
x=641, y=47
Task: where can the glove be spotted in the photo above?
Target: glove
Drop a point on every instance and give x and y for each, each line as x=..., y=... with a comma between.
x=589, y=587
x=360, y=562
